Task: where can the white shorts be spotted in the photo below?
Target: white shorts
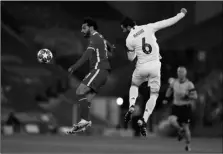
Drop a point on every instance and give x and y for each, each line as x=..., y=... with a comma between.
x=151, y=72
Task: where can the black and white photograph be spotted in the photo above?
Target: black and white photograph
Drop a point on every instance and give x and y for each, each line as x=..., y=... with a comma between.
x=111, y=77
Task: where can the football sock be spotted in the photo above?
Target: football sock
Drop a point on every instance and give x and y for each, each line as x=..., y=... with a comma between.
x=150, y=105
x=188, y=136
x=133, y=94
x=84, y=108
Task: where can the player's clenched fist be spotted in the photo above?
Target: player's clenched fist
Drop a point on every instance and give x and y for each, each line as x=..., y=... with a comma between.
x=183, y=10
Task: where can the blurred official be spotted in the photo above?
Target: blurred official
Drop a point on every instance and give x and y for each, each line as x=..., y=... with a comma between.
x=184, y=94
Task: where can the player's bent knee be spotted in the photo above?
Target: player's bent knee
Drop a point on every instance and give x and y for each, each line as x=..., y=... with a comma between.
x=90, y=96
x=82, y=89
x=154, y=90
x=134, y=83
x=154, y=86
x=172, y=119
x=79, y=91
x=186, y=127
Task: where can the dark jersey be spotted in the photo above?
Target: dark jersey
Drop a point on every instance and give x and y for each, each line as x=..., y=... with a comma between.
x=99, y=55
x=96, y=53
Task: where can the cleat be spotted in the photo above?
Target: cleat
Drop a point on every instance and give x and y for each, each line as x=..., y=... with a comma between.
x=187, y=148
x=80, y=127
x=76, y=131
x=143, y=127
x=73, y=129
x=128, y=115
x=84, y=124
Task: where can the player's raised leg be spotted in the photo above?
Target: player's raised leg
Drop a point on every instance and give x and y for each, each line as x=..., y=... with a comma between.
x=150, y=105
x=133, y=94
x=154, y=84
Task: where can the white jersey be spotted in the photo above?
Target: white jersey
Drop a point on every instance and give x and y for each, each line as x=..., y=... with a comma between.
x=142, y=40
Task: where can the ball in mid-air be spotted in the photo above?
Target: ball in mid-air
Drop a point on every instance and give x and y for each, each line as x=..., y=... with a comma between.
x=44, y=56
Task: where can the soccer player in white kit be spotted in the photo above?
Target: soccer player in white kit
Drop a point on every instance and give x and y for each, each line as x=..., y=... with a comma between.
x=141, y=42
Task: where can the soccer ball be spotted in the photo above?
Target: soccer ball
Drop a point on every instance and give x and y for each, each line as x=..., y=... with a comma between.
x=44, y=56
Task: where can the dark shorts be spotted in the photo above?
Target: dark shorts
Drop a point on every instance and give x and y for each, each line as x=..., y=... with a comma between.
x=96, y=79
x=183, y=113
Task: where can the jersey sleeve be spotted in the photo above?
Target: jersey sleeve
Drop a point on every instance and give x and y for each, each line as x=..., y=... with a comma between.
x=167, y=22
x=131, y=55
x=191, y=87
x=129, y=45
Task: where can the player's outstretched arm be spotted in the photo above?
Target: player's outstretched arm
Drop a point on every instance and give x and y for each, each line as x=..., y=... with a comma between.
x=80, y=62
x=171, y=21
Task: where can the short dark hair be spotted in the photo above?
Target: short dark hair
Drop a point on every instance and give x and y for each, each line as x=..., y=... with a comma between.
x=91, y=22
x=128, y=22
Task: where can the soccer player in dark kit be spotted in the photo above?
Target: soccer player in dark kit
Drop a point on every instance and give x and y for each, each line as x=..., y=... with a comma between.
x=97, y=53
